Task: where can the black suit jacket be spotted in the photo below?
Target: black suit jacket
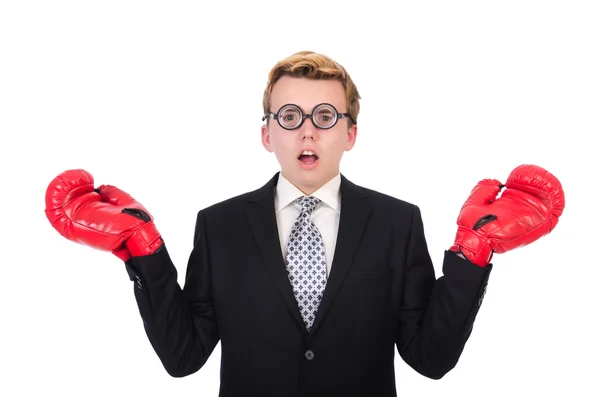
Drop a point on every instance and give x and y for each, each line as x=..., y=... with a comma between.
x=381, y=293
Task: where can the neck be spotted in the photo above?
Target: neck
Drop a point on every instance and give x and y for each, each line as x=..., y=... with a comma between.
x=310, y=189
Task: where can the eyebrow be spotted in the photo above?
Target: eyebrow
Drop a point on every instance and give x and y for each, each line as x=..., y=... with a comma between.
x=309, y=112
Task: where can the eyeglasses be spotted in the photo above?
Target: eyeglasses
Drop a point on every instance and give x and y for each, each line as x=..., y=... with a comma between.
x=323, y=116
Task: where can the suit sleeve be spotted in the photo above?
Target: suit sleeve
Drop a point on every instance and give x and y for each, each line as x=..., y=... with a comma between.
x=437, y=316
x=180, y=324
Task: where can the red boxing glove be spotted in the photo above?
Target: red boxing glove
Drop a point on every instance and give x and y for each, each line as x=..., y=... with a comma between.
x=105, y=218
x=528, y=209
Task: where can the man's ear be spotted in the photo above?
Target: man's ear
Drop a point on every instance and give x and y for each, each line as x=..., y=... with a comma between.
x=351, y=137
x=266, y=137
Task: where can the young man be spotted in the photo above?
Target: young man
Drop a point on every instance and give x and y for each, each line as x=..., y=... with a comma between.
x=310, y=282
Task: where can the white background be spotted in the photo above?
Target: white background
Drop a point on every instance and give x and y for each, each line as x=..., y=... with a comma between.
x=163, y=99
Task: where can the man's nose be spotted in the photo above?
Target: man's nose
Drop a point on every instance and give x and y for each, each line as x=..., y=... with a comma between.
x=308, y=129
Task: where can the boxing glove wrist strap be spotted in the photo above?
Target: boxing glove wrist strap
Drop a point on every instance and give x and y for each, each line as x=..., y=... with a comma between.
x=144, y=241
x=475, y=247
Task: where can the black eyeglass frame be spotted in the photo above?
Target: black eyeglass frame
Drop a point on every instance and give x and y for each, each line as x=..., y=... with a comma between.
x=310, y=116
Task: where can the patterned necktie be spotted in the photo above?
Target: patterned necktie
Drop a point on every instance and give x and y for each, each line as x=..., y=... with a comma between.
x=306, y=263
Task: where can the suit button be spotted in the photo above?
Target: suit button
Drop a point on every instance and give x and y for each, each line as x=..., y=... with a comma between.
x=482, y=295
x=139, y=285
x=309, y=355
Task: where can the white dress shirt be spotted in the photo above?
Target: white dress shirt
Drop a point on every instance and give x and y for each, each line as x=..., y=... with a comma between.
x=326, y=216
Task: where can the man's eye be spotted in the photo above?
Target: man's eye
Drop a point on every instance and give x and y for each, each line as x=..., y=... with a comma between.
x=325, y=118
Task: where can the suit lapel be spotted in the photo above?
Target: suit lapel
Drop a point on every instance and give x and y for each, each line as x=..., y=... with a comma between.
x=263, y=223
x=354, y=214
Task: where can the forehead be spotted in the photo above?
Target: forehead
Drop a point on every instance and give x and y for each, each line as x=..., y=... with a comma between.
x=307, y=93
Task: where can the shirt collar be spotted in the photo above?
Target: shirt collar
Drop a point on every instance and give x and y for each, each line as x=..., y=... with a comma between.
x=286, y=192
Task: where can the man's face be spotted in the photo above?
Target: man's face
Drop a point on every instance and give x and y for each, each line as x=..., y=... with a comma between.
x=307, y=172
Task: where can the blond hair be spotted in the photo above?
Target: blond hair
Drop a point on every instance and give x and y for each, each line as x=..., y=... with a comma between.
x=311, y=65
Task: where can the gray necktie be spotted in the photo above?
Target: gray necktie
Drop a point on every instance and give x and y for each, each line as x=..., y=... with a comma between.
x=306, y=263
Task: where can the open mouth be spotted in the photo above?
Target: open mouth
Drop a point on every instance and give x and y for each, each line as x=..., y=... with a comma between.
x=308, y=157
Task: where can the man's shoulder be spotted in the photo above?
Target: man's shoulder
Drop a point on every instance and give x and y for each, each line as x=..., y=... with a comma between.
x=233, y=203
x=383, y=200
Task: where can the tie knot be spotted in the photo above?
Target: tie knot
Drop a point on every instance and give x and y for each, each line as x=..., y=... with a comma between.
x=308, y=203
